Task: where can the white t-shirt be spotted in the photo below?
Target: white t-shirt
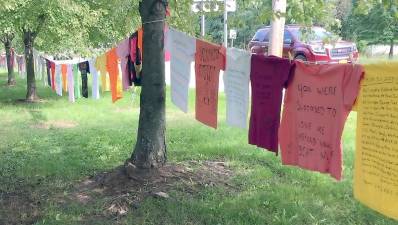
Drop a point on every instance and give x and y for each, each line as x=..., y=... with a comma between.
x=182, y=51
x=236, y=83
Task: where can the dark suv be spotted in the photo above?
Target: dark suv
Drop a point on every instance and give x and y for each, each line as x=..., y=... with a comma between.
x=313, y=49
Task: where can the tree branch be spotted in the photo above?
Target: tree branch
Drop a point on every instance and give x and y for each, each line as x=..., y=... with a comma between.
x=42, y=19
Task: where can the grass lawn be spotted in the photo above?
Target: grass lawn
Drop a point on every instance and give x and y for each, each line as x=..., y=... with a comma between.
x=47, y=149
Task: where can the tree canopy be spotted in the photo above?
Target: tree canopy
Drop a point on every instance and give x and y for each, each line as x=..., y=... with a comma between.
x=372, y=21
x=79, y=26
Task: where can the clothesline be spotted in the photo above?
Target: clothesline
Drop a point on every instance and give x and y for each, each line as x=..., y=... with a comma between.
x=318, y=99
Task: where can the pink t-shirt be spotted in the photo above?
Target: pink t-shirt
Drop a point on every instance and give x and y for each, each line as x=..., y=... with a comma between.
x=268, y=77
x=317, y=103
x=123, y=51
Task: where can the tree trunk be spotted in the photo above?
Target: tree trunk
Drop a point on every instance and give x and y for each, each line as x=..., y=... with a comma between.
x=31, y=94
x=150, y=149
x=10, y=63
x=391, y=54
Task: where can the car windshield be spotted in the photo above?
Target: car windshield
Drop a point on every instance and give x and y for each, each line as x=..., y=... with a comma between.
x=260, y=35
x=314, y=34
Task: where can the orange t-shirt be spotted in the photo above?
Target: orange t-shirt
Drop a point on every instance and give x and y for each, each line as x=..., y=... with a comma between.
x=112, y=65
x=317, y=102
x=209, y=60
x=140, y=40
x=64, y=70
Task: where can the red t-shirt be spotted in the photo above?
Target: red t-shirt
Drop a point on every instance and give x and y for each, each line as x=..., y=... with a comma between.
x=316, y=106
x=53, y=76
x=268, y=77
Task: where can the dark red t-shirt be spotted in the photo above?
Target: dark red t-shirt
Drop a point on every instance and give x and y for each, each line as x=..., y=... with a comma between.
x=269, y=75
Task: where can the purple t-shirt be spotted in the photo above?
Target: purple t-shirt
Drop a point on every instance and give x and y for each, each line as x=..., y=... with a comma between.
x=269, y=75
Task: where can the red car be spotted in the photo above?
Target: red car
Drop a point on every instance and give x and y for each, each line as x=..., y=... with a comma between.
x=313, y=50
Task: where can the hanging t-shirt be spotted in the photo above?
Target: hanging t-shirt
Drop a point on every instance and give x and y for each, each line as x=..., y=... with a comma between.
x=71, y=91
x=317, y=103
x=48, y=70
x=58, y=79
x=100, y=65
x=236, y=84
x=182, y=50
x=36, y=65
x=269, y=75
x=140, y=41
x=209, y=60
x=123, y=51
x=84, y=69
x=166, y=42
x=64, y=70
x=76, y=80
x=132, y=58
x=133, y=45
x=21, y=66
x=376, y=152
x=53, y=76
x=113, y=70
x=95, y=83
x=43, y=65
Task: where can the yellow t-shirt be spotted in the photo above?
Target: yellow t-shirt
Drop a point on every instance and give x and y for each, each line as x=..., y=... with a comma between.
x=376, y=155
x=100, y=65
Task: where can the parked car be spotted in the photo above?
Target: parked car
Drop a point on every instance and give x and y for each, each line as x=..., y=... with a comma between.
x=313, y=49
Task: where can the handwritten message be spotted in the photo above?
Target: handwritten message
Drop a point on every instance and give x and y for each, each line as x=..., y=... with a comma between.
x=317, y=103
x=236, y=81
x=316, y=113
x=182, y=51
x=376, y=162
x=208, y=62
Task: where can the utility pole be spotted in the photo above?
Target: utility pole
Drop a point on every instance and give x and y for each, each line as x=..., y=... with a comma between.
x=277, y=27
x=225, y=24
x=203, y=24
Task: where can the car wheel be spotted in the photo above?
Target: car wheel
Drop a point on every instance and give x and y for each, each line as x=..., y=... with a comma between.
x=301, y=58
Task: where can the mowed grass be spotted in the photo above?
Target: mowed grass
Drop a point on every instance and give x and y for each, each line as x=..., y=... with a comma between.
x=47, y=148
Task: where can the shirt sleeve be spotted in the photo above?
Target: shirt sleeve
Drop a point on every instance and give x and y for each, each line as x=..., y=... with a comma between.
x=351, y=84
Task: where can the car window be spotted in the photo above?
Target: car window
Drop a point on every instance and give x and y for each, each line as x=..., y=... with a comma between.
x=287, y=37
x=314, y=34
x=261, y=35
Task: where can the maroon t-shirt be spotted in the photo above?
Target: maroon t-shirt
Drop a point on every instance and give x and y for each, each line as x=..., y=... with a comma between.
x=269, y=75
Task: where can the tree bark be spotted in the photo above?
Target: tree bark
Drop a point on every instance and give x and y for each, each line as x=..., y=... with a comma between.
x=150, y=149
x=31, y=94
x=10, y=63
x=391, y=53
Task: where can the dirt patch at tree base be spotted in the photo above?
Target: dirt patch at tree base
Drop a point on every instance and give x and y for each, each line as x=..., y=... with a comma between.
x=117, y=192
x=18, y=208
x=122, y=193
x=30, y=101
